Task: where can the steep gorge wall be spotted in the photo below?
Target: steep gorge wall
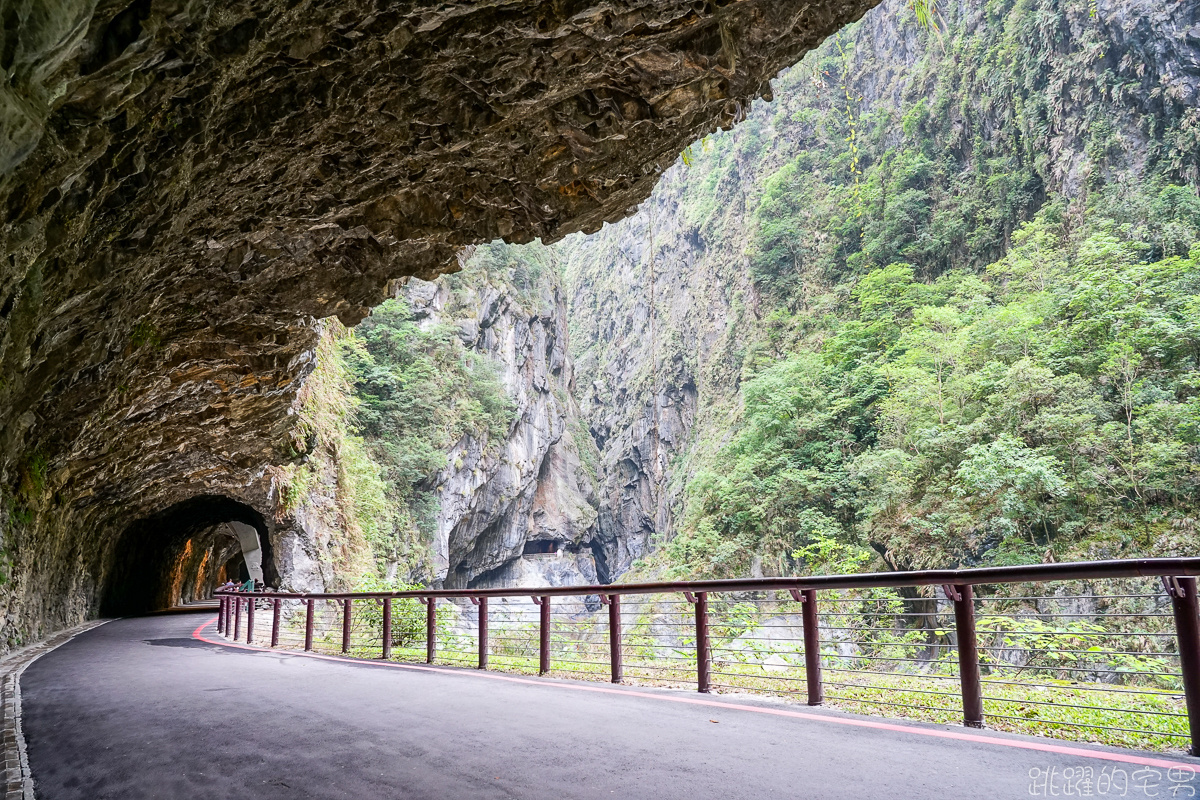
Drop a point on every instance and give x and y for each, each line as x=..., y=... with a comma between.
x=494, y=498
x=667, y=313
x=671, y=310
x=657, y=319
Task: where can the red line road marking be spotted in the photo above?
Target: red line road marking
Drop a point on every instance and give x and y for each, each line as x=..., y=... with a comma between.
x=962, y=736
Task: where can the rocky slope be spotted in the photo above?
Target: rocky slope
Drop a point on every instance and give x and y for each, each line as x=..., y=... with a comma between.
x=521, y=511
x=668, y=312
x=443, y=442
x=655, y=315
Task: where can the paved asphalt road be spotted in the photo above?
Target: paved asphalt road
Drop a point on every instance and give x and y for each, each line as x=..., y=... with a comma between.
x=139, y=708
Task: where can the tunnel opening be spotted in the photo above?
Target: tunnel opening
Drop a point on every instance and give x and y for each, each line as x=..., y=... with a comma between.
x=543, y=547
x=234, y=569
x=184, y=552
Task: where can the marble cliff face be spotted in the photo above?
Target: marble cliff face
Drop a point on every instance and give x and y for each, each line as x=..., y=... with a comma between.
x=522, y=511
x=187, y=188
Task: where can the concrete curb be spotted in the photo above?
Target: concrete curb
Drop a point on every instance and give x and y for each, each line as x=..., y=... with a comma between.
x=18, y=782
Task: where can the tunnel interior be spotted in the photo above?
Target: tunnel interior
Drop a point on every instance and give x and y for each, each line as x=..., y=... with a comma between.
x=543, y=547
x=182, y=553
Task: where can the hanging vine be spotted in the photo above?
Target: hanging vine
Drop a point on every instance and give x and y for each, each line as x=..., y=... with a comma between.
x=852, y=135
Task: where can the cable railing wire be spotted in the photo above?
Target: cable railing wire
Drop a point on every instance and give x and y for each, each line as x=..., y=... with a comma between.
x=1103, y=646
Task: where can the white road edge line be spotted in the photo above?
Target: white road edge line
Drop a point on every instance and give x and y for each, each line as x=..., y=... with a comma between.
x=13, y=666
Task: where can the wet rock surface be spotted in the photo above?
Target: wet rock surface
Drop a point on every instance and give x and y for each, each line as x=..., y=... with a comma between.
x=186, y=188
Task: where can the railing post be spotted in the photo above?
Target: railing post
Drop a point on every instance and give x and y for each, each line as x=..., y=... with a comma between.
x=237, y=618
x=346, y=625
x=275, y=622
x=387, y=628
x=250, y=604
x=430, y=628
x=220, y=614
x=483, y=630
x=962, y=596
x=543, y=604
x=613, y=601
x=1187, y=630
x=308, y=624
x=703, y=652
x=812, y=644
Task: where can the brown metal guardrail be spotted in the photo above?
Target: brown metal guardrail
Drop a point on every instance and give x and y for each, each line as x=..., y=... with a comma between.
x=867, y=598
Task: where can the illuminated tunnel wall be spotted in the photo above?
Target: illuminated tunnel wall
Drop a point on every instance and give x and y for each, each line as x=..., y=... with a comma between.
x=184, y=552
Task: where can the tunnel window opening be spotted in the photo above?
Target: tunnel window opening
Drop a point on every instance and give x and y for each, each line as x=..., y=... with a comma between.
x=544, y=547
x=182, y=553
x=235, y=569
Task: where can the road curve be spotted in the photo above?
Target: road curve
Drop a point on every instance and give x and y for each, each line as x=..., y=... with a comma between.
x=141, y=708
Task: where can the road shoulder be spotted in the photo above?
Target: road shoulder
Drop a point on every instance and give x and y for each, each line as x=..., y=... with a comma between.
x=18, y=782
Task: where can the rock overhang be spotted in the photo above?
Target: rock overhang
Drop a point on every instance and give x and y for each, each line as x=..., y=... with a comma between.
x=188, y=188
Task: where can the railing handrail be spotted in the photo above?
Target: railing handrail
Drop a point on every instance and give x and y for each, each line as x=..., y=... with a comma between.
x=1178, y=574
x=1078, y=570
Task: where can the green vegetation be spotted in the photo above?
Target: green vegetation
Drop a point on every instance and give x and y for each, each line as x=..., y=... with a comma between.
x=385, y=406
x=954, y=366
x=32, y=471
x=524, y=273
x=408, y=619
x=1049, y=401
x=331, y=460
x=418, y=392
x=145, y=333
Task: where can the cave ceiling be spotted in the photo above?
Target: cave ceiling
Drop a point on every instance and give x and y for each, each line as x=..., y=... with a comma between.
x=187, y=187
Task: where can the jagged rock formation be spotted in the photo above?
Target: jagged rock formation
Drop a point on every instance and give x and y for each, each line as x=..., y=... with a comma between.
x=521, y=511
x=186, y=187
x=657, y=315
